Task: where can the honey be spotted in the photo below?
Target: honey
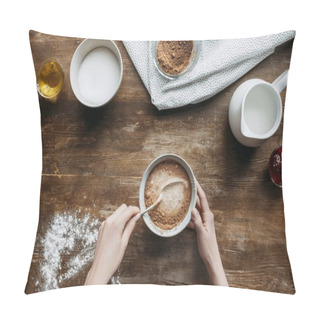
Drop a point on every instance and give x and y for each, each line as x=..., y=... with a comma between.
x=50, y=78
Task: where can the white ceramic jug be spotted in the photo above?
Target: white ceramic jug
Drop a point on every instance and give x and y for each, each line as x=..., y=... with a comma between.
x=255, y=110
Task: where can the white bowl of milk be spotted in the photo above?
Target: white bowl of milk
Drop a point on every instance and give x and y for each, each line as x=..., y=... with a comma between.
x=96, y=72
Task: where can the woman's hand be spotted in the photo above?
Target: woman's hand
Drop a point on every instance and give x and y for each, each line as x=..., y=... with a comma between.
x=113, y=238
x=202, y=222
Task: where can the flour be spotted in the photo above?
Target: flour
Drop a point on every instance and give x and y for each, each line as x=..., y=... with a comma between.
x=116, y=277
x=68, y=232
x=67, y=247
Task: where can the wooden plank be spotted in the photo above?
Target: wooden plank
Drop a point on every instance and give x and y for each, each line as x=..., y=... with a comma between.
x=93, y=160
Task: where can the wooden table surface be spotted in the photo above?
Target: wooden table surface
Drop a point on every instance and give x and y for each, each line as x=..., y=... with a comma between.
x=94, y=159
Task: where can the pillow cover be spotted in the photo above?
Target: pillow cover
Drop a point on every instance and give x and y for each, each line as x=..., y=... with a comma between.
x=220, y=108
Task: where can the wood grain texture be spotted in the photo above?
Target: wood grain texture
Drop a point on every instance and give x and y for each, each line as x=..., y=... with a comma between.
x=94, y=159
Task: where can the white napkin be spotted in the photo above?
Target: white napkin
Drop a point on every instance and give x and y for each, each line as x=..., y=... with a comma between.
x=221, y=62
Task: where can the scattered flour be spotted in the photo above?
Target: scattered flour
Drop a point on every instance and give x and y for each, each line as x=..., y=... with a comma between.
x=116, y=277
x=68, y=232
x=67, y=246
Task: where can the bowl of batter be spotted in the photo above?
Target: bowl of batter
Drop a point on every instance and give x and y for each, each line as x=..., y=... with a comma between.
x=173, y=213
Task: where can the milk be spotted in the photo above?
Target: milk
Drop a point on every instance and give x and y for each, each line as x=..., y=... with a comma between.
x=99, y=75
x=260, y=109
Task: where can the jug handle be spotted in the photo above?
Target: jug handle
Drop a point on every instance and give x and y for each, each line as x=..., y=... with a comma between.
x=281, y=82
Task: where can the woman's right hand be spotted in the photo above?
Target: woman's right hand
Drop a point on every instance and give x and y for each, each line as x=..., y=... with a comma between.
x=202, y=221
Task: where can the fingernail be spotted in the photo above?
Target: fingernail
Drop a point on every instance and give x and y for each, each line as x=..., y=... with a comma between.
x=137, y=216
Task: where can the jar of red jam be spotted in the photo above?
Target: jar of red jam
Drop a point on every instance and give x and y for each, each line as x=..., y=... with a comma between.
x=275, y=164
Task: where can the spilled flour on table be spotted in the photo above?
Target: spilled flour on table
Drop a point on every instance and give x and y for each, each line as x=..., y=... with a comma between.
x=67, y=247
x=67, y=233
x=116, y=277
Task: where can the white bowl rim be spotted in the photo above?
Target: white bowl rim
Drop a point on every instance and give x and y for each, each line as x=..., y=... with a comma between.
x=182, y=225
x=99, y=43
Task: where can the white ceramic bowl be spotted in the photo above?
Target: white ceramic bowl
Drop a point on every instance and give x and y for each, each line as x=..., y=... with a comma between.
x=97, y=77
x=177, y=229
